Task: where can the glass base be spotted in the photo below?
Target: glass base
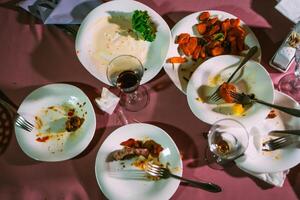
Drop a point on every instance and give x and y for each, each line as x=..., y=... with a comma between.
x=136, y=100
x=289, y=85
x=214, y=162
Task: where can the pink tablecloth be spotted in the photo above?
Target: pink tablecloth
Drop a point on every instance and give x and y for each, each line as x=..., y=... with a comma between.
x=32, y=55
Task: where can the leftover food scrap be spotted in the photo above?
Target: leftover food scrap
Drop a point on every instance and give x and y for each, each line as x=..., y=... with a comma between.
x=225, y=90
x=143, y=26
x=132, y=147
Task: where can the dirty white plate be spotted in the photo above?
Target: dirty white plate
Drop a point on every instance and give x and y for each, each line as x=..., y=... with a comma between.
x=52, y=105
x=253, y=78
x=118, y=188
x=259, y=161
x=185, y=25
x=92, y=27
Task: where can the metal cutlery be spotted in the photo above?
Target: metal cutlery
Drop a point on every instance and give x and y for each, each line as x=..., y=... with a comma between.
x=162, y=172
x=245, y=99
x=215, y=96
x=20, y=121
x=292, y=132
x=23, y=123
x=278, y=143
x=130, y=174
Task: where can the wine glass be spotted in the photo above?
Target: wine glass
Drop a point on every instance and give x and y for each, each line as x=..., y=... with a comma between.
x=290, y=83
x=125, y=72
x=227, y=140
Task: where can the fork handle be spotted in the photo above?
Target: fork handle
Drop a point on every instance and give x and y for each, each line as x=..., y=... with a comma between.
x=292, y=132
x=291, y=111
x=249, y=55
x=203, y=185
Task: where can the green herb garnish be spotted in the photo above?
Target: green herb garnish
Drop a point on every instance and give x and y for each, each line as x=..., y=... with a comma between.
x=142, y=25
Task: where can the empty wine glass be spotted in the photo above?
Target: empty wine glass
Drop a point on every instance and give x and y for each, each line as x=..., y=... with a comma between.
x=290, y=83
x=227, y=141
x=125, y=72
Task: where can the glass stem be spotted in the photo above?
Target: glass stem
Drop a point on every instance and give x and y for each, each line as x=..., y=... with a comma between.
x=132, y=97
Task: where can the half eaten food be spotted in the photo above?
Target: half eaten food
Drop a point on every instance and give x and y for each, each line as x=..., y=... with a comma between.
x=132, y=148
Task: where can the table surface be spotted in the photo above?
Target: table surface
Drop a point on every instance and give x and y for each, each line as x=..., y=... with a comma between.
x=32, y=55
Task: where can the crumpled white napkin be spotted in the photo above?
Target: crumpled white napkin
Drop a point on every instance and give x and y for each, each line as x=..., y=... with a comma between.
x=108, y=101
x=60, y=11
x=253, y=150
x=290, y=9
x=276, y=178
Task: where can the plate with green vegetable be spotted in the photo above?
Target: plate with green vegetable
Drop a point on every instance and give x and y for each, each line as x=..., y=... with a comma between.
x=123, y=27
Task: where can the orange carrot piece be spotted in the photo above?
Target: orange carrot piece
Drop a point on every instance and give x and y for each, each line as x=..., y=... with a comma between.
x=212, y=21
x=213, y=30
x=216, y=51
x=235, y=22
x=183, y=38
x=203, y=52
x=204, y=16
x=185, y=49
x=225, y=25
x=225, y=90
x=196, y=53
x=176, y=60
x=192, y=44
x=240, y=43
x=201, y=27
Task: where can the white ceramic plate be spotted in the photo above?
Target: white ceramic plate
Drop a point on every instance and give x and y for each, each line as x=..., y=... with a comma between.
x=253, y=78
x=282, y=159
x=116, y=188
x=186, y=25
x=87, y=37
x=62, y=145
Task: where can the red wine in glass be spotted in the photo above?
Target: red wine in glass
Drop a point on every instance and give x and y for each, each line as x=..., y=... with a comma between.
x=125, y=72
x=128, y=81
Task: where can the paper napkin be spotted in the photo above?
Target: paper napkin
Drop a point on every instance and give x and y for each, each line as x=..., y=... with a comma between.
x=108, y=101
x=60, y=12
x=290, y=9
x=276, y=178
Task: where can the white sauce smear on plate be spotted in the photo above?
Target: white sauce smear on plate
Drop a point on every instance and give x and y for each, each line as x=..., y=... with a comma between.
x=113, y=37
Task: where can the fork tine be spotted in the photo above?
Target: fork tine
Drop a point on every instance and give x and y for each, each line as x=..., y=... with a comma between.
x=23, y=123
x=214, y=97
x=27, y=124
x=277, y=143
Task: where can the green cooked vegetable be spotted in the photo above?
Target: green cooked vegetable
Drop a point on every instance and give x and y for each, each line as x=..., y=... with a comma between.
x=142, y=25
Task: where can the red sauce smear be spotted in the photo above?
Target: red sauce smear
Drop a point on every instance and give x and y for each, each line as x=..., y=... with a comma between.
x=71, y=112
x=42, y=139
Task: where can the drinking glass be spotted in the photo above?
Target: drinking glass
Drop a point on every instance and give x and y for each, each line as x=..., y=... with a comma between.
x=227, y=141
x=125, y=72
x=290, y=83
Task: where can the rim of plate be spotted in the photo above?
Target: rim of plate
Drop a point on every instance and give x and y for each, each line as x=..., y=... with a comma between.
x=151, y=71
x=88, y=137
x=101, y=182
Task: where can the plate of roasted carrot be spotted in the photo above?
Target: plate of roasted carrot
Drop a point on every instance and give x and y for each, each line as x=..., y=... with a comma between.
x=203, y=35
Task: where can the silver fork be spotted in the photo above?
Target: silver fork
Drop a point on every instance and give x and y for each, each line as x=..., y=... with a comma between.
x=162, y=172
x=277, y=143
x=245, y=99
x=23, y=123
x=215, y=96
